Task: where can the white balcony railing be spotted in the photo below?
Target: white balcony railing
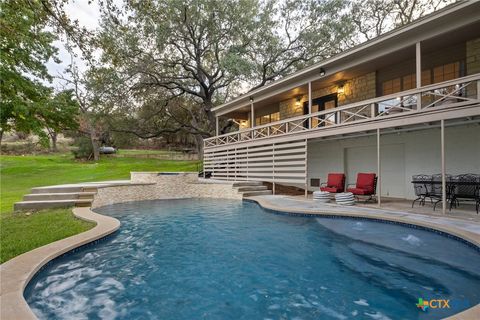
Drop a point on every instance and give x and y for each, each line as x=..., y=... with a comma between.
x=458, y=92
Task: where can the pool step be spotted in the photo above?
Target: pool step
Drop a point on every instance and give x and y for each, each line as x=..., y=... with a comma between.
x=45, y=204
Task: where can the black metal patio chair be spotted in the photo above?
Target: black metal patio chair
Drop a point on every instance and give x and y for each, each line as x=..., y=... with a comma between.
x=437, y=188
x=465, y=187
x=422, y=185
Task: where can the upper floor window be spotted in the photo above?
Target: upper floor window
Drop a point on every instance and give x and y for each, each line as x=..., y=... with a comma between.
x=441, y=73
x=267, y=118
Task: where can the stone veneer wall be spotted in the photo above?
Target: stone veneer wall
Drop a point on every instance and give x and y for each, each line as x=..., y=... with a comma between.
x=165, y=186
x=473, y=62
x=356, y=89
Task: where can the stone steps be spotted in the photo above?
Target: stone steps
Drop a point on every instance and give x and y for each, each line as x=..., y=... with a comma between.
x=45, y=204
x=59, y=196
x=251, y=188
x=247, y=184
x=256, y=193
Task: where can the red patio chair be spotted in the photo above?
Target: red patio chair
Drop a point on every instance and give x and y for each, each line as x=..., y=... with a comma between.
x=335, y=183
x=366, y=186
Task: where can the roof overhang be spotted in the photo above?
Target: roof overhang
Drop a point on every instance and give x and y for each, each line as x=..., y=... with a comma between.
x=443, y=21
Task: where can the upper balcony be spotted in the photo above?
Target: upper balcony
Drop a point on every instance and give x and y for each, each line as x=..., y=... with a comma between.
x=427, y=69
x=454, y=94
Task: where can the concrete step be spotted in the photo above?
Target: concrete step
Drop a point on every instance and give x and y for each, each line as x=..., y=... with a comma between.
x=59, y=196
x=247, y=183
x=256, y=193
x=252, y=188
x=45, y=204
x=57, y=189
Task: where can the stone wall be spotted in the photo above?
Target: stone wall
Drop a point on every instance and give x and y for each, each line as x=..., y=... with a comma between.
x=473, y=62
x=355, y=90
x=165, y=186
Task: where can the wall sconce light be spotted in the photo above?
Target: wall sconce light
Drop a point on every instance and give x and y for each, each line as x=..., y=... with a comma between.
x=243, y=124
x=341, y=89
x=322, y=72
x=251, y=99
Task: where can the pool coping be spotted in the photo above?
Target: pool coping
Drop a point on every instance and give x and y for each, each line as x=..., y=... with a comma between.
x=16, y=273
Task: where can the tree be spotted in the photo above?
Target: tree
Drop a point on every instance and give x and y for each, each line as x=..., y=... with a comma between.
x=375, y=17
x=25, y=48
x=95, y=93
x=60, y=113
x=202, y=52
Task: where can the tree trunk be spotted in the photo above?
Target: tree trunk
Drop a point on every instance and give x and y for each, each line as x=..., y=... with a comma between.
x=199, y=145
x=53, y=137
x=1, y=136
x=94, y=141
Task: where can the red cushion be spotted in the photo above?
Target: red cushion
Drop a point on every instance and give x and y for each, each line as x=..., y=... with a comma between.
x=358, y=191
x=366, y=181
x=330, y=189
x=336, y=180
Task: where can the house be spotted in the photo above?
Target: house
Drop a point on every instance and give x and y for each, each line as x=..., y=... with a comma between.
x=405, y=103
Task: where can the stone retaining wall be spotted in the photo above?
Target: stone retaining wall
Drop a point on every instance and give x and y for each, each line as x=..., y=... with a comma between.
x=164, y=186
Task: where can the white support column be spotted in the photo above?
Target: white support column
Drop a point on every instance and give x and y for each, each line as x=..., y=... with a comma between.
x=309, y=104
x=306, y=168
x=478, y=89
x=273, y=169
x=379, y=178
x=444, y=182
x=418, y=72
x=252, y=115
x=216, y=126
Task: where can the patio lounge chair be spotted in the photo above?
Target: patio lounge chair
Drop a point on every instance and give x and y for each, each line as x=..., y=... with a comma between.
x=366, y=186
x=335, y=183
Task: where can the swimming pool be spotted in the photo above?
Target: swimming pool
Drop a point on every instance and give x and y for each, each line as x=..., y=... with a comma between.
x=226, y=259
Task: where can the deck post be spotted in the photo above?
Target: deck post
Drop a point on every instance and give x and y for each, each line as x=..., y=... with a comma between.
x=478, y=89
x=444, y=182
x=418, y=72
x=379, y=178
x=309, y=104
x=306, y=168
x=252, y=114
x=216, y=126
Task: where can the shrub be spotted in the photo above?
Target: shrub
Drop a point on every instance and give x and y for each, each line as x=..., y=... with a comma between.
x=83, y=148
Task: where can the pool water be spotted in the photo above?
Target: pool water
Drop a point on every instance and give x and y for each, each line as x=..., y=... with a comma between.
x=226, y=259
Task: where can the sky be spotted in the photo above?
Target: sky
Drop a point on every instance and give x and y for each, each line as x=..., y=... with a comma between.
x=88, y=15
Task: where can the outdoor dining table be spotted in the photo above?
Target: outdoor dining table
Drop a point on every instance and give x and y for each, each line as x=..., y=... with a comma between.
x=450, y=190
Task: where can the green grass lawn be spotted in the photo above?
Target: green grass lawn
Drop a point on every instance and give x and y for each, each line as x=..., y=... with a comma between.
x=21, y=232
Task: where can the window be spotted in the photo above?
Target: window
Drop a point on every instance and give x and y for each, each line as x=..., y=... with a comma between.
x=446, y=72
x=267, y=118
x=392, y=86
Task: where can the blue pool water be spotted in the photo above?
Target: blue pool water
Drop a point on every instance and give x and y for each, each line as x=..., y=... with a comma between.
x=221, y=259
